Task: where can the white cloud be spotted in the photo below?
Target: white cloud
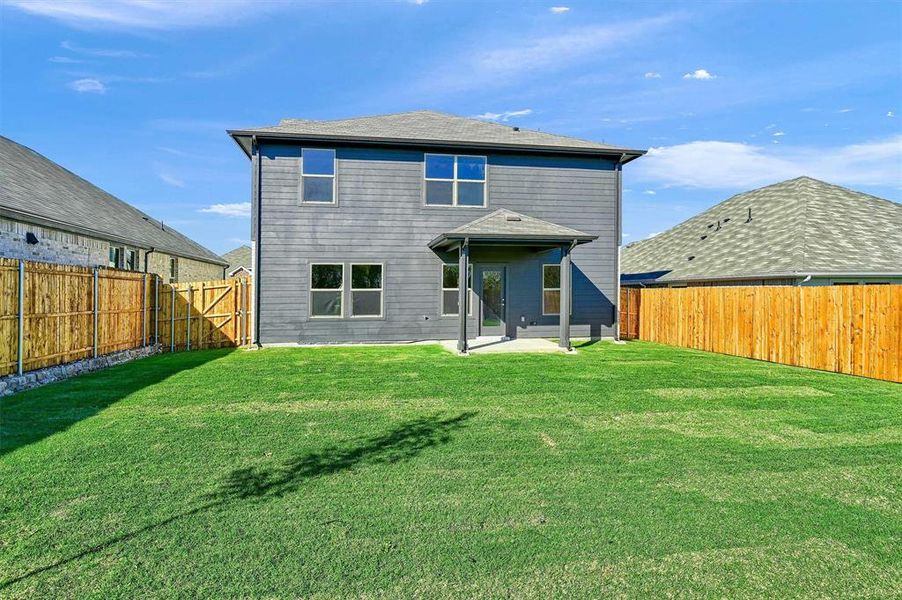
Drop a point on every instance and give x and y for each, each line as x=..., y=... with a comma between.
x=699, y=74
x=651, y=235
x=101, y=52
x=652, y=75
x=890, y=114
x=778, y=134
x=650, y=192
x=148, y=14
x=845, y=110
x=171, y=179
x=418, y=2
x=559, y=9
x=730, y=165
x=91, y=86
x=65, y=60
x=525, y=54
x=504, y=116
x=235, y=209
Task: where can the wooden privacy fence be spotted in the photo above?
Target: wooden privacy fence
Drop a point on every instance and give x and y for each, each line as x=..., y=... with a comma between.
x=854, y=329
x=53, y=314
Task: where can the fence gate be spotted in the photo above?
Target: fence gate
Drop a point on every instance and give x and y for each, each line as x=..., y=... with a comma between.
x=629, y=313
x=204, y=314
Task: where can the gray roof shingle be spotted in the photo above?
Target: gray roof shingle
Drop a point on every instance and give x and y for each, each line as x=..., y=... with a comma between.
x=239, y=257
x=425, y=126
x=507, y=225
x=35, y=189
x=800, y=226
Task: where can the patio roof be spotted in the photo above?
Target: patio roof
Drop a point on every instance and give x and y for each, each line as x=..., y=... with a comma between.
x=508, y=227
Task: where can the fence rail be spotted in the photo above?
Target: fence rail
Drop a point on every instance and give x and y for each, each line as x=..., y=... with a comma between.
x=53, y=314
x=855, y=329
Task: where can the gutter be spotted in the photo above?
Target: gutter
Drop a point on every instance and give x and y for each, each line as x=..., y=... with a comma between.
x=778, y=275
x=406, y=142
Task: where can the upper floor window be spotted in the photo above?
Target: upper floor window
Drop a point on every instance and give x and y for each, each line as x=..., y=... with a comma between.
x=455, y=180
x=318, y=176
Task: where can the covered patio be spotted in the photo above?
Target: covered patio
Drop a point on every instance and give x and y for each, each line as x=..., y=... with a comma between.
x=506, y=228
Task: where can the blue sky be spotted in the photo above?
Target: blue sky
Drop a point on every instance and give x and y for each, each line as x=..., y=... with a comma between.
x=135, y=96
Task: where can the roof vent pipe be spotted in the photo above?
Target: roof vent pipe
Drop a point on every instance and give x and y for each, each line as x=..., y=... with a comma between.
x=749, y=220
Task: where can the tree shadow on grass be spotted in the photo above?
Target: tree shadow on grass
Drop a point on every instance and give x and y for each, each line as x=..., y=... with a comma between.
x=400, y=444
x=30, y=416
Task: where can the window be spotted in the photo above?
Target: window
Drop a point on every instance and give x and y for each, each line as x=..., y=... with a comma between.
x=115, y=256
x=326, y=289
x=551, y=290
x=131, y=259
x=450, y=296
x=173, y=270
x=366, y=290
x=455, y=180
x=317, y=176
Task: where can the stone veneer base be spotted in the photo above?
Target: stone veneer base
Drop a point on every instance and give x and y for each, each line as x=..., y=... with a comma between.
x=10, y=384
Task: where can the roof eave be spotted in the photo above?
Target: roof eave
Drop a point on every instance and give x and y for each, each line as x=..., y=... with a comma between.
x=525, y=240
x=63, y=226
x=626, y=154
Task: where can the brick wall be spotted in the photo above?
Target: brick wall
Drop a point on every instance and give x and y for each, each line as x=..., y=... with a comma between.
x=63, y=247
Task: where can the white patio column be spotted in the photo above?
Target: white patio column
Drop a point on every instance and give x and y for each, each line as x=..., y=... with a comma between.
x=565, y=298
x=463, y=266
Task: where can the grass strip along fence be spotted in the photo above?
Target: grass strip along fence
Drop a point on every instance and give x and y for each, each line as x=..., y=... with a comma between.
x=853, y=329
x=54, y=314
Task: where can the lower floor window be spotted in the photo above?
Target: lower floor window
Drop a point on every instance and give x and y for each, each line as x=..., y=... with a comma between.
x=326, y=289
x=551, y=290
x=131, y=259
x=366, y=290
x=450, y=290
x=115, y=256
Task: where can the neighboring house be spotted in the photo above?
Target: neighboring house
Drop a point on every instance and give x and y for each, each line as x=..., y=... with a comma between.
x=798, y=232
x=364, y=228
x=239, y=260
x=48, y=213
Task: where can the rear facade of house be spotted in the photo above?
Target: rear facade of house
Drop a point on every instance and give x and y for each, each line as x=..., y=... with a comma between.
x=359, y=228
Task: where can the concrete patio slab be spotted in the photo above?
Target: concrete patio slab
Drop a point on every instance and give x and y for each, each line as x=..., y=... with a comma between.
x=492, y=344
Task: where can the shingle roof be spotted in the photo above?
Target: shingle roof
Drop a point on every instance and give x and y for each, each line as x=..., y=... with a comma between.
x=801, y=226
x=35, y=189
x=425, y=126
x=507, y=225
x=239, y=257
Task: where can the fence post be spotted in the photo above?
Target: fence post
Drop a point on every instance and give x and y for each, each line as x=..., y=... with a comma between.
x=144, y=310
x=239, y=301
x=156, y=310
x=20, y=352
x=172, y=320
x=96, y=293
x=188, y=326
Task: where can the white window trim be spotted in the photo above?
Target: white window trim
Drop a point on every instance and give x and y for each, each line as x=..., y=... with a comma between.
x=380, y=289
x=545, y=313
x=454, y=181
x=332, y=177
x=441, y=284
x=341, y=291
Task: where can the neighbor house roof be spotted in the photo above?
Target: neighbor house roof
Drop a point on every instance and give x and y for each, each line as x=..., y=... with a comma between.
x=795, y=228
x=426, y=127
x=37, y=190
x=239, y=257
x=507, y=226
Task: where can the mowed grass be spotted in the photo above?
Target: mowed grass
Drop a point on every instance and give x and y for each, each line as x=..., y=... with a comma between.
x=384, y=472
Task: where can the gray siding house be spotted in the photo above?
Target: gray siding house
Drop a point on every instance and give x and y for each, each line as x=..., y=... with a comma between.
x=379, y=228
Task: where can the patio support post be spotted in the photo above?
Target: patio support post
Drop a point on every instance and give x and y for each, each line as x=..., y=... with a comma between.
x=463, y=266
x=565, y=298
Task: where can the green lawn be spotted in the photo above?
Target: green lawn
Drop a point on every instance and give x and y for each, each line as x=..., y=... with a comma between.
x=636, y=470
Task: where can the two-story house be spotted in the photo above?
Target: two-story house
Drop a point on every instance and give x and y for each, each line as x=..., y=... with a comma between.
x=425, y=225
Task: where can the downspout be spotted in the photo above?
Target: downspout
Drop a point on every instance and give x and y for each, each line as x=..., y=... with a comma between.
x=618, y=168
x=257, y=274
x=146, y=256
